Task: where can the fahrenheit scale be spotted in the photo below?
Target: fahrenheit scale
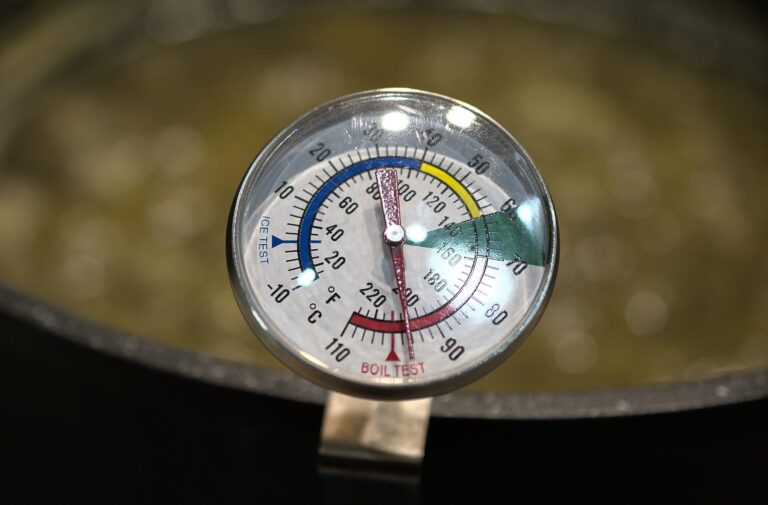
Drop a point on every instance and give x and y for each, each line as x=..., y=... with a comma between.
x=393, y=244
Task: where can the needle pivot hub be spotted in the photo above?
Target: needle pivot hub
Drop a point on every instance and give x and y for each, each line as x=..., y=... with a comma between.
x=394, y=234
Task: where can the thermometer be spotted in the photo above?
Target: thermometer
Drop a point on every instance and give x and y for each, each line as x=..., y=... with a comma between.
x=393, y=244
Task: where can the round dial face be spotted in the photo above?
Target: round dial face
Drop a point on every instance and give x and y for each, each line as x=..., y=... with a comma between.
x=392, y=244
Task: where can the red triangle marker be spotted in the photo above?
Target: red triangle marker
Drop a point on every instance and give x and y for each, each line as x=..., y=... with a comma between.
x=392, y=356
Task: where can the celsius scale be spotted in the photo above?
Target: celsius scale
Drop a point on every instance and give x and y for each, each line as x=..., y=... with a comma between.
x=391, y=246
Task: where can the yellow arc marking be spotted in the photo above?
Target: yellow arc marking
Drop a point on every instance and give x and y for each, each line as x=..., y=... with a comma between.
x=451, y=182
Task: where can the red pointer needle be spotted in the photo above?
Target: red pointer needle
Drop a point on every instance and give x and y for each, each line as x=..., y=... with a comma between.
x=394, y=237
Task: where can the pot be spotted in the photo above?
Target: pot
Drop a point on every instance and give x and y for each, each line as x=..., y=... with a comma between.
x=100, y=414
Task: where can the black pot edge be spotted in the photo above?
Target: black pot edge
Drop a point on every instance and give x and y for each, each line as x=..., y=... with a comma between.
x=657, y=399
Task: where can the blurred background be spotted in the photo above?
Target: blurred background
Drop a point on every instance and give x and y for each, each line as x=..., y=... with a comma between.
x=125, y=127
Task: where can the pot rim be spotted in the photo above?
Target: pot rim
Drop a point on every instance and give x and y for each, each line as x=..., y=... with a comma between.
x=611, y=402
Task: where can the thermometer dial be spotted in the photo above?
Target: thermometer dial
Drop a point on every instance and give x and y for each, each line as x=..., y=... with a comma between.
x=392, y=244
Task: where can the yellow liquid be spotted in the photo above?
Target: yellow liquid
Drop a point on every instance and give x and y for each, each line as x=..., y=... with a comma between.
x=115, y=191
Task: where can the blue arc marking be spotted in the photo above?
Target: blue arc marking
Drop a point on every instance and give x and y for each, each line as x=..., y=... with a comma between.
x=329, y=186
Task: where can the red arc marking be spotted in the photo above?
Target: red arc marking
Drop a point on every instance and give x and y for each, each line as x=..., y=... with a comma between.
x=447, y=310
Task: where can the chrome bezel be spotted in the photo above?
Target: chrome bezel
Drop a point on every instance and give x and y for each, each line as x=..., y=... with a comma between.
x=290, y=356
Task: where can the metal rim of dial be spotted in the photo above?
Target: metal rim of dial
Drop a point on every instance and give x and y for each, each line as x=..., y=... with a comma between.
x=309, y=366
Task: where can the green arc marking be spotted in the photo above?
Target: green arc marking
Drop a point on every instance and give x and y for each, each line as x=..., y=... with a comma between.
x=510, y=239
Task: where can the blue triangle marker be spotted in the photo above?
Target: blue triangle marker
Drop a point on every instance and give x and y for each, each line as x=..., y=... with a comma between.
x=276, y=241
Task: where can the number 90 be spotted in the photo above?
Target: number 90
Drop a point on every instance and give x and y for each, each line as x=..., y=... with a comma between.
x=454, y=351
